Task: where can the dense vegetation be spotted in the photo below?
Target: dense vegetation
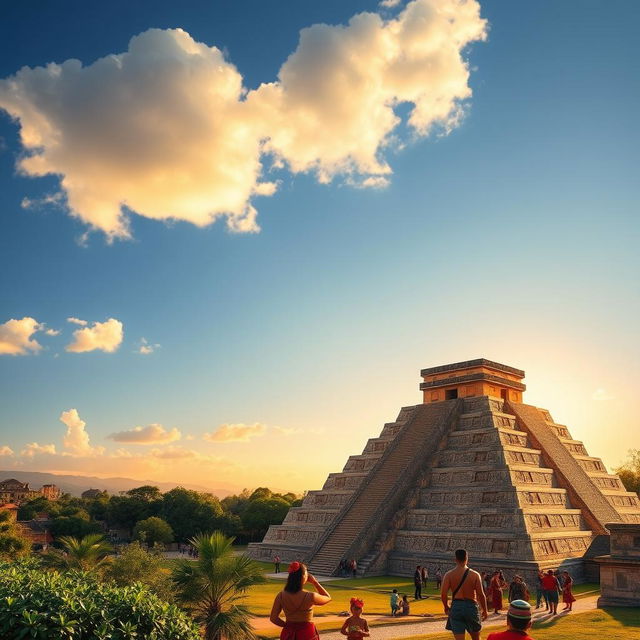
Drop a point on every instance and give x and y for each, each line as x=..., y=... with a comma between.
x=76, y=604
x=147, y=515
x=629, y=472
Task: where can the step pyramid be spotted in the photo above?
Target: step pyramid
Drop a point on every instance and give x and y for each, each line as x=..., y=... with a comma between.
x=471, y=467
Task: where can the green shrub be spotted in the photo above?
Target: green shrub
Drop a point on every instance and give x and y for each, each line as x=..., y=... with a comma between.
x=76, y=605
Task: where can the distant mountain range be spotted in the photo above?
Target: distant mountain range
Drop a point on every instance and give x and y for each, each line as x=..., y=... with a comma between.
x=75, y=485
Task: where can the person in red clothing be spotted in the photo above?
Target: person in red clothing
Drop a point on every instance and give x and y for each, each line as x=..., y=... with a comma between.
x=567, y=594
x=551, y=588
x=518, y=623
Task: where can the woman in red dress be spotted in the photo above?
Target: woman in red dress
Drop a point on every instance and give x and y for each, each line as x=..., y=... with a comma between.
x=496, y=587
x=567, y=595
x=297, y=605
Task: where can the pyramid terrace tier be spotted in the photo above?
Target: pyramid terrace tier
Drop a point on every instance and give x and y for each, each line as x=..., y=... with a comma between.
x=487, y=454
x=490, y=476
x=487, y=520
x=447, y=497
x=508, y=545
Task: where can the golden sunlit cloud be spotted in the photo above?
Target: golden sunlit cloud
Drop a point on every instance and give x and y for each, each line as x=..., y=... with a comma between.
x=151, y=434
x=146, y=348
x=103, y=336
x=6, y=451
x=33, y=449
x=168, y=131
x=236, y=432
x=15, y=337
x=82, y=323
x=76, y=439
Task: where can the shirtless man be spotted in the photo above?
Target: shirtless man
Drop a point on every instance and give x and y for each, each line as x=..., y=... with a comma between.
x=466, y=590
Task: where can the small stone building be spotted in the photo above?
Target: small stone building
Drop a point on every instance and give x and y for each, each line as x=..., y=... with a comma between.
x=620, y=570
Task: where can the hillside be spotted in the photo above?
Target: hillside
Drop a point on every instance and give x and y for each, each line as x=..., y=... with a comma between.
x=75, y=485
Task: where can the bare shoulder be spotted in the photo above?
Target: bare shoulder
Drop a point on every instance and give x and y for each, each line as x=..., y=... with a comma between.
x=475, y=574
x=449, y=573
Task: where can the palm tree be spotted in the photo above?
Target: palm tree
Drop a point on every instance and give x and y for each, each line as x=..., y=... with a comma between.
x=214, y=586
x=88, y=554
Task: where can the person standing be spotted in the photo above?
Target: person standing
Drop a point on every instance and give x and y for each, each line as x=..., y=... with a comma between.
x=540, y=592
x=438, y=577
x=394, y=601
x=496, y=587
x=297, y=605
x=567, y=591
x=354, y=568
x=276, y=562
x=417, y=581
x=425, y=576
x=551, y=588
x=468, y=602
x=518, y=589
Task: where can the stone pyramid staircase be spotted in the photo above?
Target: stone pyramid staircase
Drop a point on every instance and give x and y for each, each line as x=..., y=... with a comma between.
x=363, y=518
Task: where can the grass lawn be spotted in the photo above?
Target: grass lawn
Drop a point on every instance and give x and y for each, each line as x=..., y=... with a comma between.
x=601, y=624
x=375, y=596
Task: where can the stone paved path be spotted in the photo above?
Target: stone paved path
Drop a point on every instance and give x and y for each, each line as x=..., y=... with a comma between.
x=397, y=632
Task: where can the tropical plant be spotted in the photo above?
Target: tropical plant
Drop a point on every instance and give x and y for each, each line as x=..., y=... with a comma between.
x=87, y=554
x=136, y=564
x=77, y=606
x=13, y=542
x=214, y=586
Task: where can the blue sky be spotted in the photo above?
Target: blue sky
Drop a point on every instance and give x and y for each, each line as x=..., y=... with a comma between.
x=514, y=237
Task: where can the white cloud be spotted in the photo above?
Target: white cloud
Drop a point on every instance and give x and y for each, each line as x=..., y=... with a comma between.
x=168, y=130
x=236, y=432
x=15, y=337
x=33, y=448
x=76, y=439
x=390, y=3
x=82, y=323
x=105, y=336
x=601, y=395
x=146, y=348
x=6, y=451
x=52, y=332
x=151, y=434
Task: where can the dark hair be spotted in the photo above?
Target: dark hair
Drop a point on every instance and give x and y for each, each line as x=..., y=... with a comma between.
x=461, y=555
x=294, y=581
x=519, y=624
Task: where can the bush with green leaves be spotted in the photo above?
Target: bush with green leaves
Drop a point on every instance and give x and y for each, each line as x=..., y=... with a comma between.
x=76, y=605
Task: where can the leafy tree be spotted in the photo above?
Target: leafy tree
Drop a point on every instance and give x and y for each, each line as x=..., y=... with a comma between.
x=31, y=508
x=76, y=526
x=146, y=492
x=190, y=512
x=13, y=542
x=236, y=504
x=126, y=511
x=136, y=564
x=629, y=472
x=77, y=606
x=87, y=554
x=215, y=585
x=263, y=512
x=153, y=530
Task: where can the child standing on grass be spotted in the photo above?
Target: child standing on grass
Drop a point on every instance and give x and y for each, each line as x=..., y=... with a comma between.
x=394, y=600
x=355, y=627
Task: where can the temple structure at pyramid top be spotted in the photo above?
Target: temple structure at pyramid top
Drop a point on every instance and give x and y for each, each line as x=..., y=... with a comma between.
x=471, y=466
